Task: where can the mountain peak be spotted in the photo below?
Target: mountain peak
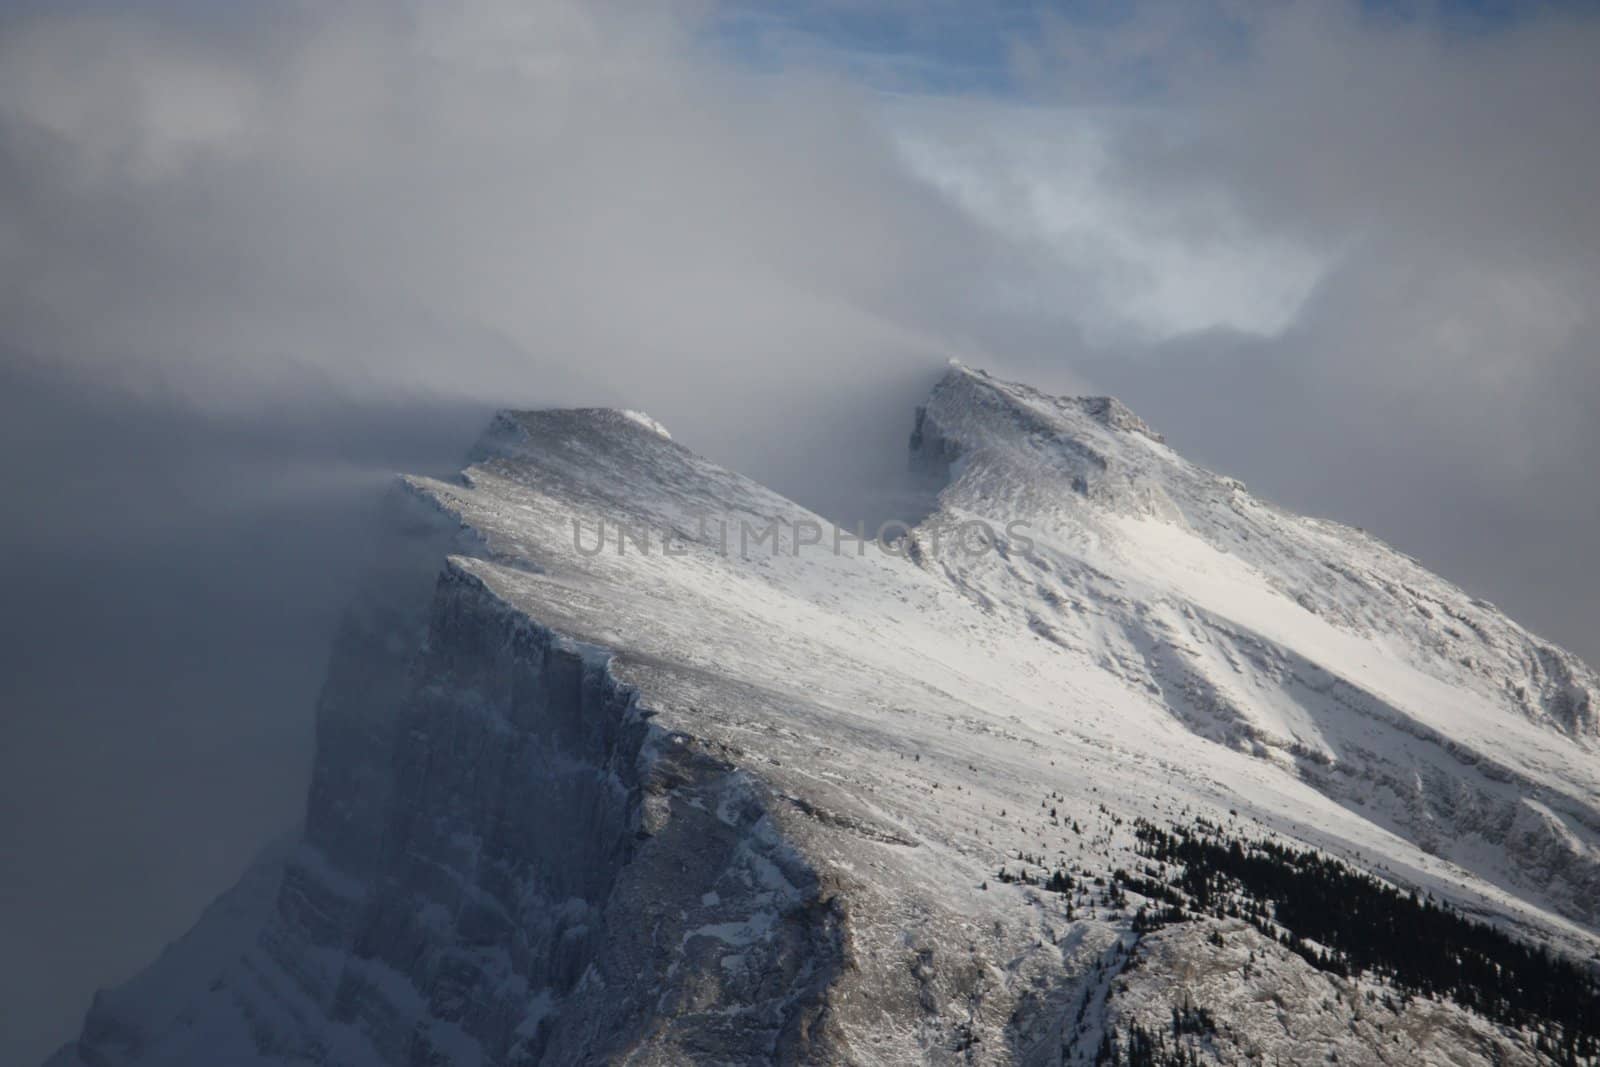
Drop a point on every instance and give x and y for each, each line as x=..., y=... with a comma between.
x=660, y=769
x=540, y=420
x=1015, y=404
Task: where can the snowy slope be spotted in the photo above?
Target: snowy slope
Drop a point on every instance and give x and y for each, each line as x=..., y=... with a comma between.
x=697, y=797
x=1308, y=644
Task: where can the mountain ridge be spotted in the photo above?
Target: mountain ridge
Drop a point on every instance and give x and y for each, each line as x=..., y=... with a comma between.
x=720, y=806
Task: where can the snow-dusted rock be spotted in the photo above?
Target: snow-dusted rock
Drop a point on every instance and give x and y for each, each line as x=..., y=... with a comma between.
x=627, y=758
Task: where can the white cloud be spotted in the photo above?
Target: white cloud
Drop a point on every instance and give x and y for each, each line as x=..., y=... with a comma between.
x=1133, y=264
x=1351, y=258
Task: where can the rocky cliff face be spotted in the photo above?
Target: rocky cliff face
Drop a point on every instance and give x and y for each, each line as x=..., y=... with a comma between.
x=504, y=862
x=727, y=789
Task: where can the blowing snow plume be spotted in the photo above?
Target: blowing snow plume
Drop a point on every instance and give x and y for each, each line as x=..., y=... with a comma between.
x=1106, y=776
x=255, y=262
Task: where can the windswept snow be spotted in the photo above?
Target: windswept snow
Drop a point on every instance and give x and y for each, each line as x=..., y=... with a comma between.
x=685, y=798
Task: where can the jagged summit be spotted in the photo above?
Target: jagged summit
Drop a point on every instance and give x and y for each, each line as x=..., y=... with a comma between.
x=642, y=762
x=1007, y=449
x=513, y=430
x=618, y=418
x=984, y=394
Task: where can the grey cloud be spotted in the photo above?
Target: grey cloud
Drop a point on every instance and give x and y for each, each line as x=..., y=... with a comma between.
x=249, y=264
x=1438, y=383
x=246, y=270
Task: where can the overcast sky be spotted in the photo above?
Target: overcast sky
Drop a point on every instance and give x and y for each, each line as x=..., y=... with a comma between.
x=252, y=262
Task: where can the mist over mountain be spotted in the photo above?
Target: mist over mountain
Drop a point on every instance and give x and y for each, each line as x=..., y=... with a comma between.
x=1082, y=768
x=257, y=261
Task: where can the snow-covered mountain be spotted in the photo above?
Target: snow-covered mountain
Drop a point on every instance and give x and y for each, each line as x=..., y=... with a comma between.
x=627, y=758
